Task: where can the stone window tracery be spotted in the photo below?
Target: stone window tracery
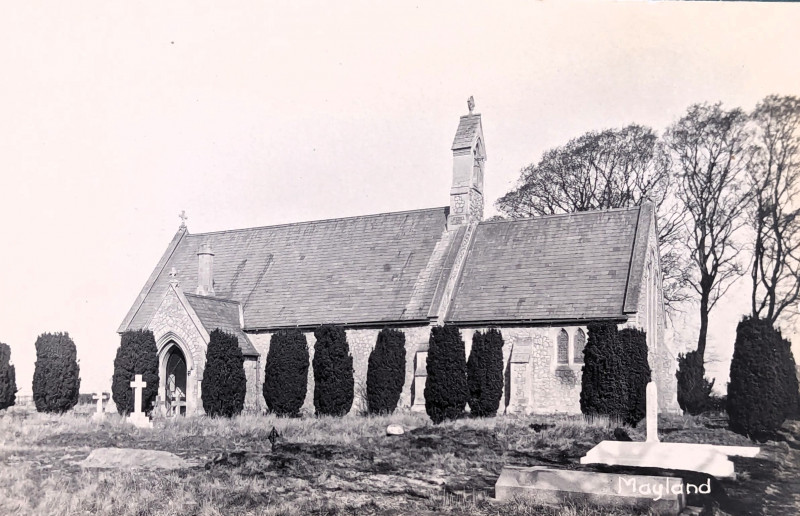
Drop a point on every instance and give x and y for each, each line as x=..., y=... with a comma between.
x=563, y=347
x=579, y=343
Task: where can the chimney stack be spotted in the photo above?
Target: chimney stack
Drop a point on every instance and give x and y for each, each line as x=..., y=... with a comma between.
x=205, y=271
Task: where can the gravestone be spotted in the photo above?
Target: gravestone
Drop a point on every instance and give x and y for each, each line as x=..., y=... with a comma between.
x=659, y=495
x=177, y=403
x=99, y=414
x=652, y=412
x=703, y=458
x=128, y=458
x=138, y=418
x=520, y=396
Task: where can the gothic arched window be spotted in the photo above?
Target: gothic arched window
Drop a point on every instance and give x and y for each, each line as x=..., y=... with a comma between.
x=563, y=347
x=579, y=343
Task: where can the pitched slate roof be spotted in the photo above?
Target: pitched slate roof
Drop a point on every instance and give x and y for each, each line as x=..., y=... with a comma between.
x=367, y=269
x=467, y=127
x=558, y=267
x=223, y=314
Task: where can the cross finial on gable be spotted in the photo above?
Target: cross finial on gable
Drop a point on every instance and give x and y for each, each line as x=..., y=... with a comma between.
x=182, y=215
x=173, y=276
x=471, y=104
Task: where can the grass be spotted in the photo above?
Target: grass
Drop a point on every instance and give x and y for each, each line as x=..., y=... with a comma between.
x=329, y=466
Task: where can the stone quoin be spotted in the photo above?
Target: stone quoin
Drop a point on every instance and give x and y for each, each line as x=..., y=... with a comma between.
x=540, y=280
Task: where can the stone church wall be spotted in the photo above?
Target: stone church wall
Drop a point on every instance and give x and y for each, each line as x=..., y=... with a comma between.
x=535, y=382
x=361, y=342
x=650, y=317
x=172, y=322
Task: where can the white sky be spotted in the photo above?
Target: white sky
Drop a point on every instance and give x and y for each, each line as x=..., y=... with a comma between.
x=115, y=116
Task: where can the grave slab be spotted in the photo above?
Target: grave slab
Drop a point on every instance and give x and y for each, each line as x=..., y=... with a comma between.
x=129, y=458
x=661, y=495
x=703, y=458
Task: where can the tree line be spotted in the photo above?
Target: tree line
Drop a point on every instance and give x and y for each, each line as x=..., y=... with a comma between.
x=724, y=183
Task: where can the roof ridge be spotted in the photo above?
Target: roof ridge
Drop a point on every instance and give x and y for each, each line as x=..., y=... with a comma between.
x=212, y=298
x=319, y=221
x=570, y=214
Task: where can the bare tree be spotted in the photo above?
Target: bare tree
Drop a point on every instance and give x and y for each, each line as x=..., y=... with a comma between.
x=614, y=168
x=775, y=215
x=709, y=149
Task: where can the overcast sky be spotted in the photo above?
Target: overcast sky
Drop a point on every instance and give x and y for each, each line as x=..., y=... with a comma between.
x=116, y=116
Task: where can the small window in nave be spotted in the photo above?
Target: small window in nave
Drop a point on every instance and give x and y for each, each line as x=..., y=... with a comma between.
x=580, y=342
x=563, y=347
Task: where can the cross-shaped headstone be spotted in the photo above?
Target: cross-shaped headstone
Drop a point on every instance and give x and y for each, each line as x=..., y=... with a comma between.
x=183, y=218
x=652, y=412
x=99, y=397
x=177, y=403
x=138, y=386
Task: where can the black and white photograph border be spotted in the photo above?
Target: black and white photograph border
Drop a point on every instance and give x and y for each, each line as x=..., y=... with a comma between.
x=400, y=258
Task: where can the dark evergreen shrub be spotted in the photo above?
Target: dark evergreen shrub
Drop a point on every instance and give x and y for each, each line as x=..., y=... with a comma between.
x=333, y=372
x=56, y=378
x=604, y=382
x=446, y=390
x=633, y=345
x=8, y=379
x=758, y=392
x=224, y=384
x=485, y=373
x=386, y=372
x=788, y=378
x=693, y=388
x=137, y=354
x=286, y=372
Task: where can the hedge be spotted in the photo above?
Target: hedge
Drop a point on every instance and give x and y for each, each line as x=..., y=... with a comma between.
x=56, y=377
x=446, y=390
x=8, y=379
x=224, y=384
x=762, y=390
x=137, y=354
x=386, y=372
x=694, y=390
x=286, y=373
x=333, y=372
x=604, y=382
x=485, y=373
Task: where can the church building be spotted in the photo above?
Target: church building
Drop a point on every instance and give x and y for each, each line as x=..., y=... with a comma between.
x=539, y=280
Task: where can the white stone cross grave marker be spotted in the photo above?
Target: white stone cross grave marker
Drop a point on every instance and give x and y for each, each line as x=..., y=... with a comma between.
x=177, y=403
x=99, y=397
x=138, y=418
x=652, y=412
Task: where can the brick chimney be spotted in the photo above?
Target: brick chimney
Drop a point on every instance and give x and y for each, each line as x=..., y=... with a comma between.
x=469, y=156
x=205, y=271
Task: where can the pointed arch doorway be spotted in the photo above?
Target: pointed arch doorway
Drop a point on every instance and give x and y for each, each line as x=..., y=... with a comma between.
x=175, y=381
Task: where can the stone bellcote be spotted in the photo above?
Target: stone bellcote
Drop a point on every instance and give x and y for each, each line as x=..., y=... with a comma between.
x=469, y=157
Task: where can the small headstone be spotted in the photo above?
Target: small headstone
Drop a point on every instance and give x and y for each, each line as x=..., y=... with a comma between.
x=273, y=437
x=99, y=397
x=138, y=418
x=394, y=430
x=661, y=495
x=620, y=434
x=177, y=404
x=652, y=412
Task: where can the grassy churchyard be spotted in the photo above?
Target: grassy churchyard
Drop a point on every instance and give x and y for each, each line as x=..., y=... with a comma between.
x=342, y=465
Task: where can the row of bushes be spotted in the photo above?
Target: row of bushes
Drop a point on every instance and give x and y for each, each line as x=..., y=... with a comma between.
x=763, y=388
